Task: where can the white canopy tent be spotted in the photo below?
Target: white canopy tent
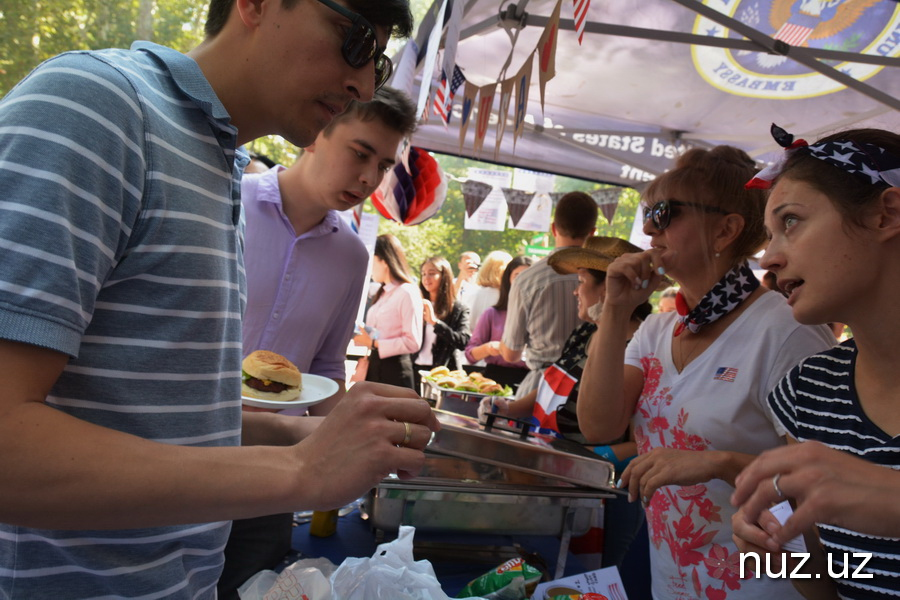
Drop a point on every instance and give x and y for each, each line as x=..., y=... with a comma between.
x=653, y=77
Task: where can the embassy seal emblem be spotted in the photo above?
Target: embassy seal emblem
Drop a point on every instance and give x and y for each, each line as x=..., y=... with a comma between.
x=863, y=26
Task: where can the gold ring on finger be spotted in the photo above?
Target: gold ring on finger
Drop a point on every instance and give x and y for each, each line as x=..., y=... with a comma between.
x=407, y=435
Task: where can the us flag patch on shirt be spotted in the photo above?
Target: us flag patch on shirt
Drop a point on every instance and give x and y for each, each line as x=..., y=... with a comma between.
x=726, y=374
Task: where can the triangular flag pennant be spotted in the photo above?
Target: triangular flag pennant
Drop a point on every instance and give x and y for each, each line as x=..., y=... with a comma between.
x=581, y=9
x=431, y=51
x=607, y=201
x=520, y=105
x=556, y=196
x=474, y=193
x=451, y=37
x=506, y=90
x=485, y=104
x=405, y=70
x=443, y=97
x=469, y=95
x=547, y=51
x=517, y=201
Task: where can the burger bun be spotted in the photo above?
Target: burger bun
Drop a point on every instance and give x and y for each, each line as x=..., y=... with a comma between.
x=270, y=367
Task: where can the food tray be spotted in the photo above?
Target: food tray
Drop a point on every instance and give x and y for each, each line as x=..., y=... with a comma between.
x=454, y=401
x=458, y=495
x=544, y=456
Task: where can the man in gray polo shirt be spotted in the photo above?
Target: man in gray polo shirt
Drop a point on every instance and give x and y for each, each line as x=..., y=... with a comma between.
x=121, y=292
x=542, y=311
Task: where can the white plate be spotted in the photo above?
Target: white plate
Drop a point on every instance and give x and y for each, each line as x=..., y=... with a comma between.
x=315, y=389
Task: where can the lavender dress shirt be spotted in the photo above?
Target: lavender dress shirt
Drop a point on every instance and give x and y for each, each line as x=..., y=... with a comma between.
x=303, y=292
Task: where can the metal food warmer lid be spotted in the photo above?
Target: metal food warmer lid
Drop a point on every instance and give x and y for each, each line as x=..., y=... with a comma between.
x=552, y=460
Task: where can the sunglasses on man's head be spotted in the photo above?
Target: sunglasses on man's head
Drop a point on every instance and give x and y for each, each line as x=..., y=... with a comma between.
x=662, y=212
x=361, y=45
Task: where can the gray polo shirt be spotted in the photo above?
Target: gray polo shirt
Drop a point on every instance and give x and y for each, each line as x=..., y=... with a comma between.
x=118, y=227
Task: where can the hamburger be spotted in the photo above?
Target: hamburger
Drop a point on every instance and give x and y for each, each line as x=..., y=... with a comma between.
x=439, y=372
x=490, y=387
x=270, y=376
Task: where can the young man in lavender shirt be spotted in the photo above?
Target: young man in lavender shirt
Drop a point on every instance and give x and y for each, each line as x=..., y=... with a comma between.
x=306, y=269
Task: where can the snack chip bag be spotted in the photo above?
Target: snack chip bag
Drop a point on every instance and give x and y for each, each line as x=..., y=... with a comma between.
x=513, y=580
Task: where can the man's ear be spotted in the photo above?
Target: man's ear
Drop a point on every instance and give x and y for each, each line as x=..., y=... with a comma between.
x=250, y=11
x=888, y=215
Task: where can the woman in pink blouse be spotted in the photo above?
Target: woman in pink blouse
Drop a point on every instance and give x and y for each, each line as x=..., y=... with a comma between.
x=485, y=341
x=394, y=321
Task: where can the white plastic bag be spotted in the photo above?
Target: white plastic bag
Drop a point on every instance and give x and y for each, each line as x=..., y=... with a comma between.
x=305, y=579
x=391, y=574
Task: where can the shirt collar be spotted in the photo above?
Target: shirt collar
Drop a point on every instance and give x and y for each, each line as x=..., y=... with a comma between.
x=190, y=79
x=269, y=191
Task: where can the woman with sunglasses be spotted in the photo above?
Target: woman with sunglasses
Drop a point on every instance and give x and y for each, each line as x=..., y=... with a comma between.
x=695, y=380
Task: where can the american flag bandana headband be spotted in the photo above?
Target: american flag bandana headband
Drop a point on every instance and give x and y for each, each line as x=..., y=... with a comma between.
x=867, y=162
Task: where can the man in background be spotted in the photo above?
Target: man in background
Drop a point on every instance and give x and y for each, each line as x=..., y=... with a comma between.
x=542, y=311
x=467, y=270
x=306, y=269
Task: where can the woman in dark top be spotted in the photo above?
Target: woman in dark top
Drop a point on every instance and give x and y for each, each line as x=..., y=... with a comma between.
x=446, y=321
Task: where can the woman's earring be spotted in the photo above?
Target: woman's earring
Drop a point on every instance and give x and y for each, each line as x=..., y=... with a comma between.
x=717, y=255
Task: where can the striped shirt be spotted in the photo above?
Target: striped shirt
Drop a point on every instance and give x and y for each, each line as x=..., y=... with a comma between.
x=541, y=313
x=817, y=401
x=118, y=223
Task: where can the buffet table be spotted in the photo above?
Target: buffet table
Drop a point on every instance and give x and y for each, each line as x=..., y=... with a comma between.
x=484, y=496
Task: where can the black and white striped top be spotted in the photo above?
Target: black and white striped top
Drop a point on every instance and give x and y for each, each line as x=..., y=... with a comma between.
x=817, y=400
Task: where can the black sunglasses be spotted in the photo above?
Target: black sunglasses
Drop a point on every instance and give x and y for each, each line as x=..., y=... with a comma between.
x=662, y=212
x=360, y=44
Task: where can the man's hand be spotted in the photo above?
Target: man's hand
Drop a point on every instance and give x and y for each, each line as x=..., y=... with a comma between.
x=362, y=441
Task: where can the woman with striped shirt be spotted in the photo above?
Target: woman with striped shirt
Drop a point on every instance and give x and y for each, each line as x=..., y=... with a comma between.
x=833, y=218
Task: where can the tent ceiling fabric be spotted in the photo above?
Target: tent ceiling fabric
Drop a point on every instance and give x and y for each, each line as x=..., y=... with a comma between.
x=655, y=76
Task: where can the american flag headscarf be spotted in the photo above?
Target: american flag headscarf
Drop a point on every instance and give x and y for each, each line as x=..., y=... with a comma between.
x=868, y=162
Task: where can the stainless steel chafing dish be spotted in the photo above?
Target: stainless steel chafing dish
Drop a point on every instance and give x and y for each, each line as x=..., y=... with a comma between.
x=451, y=400
x=493, y=481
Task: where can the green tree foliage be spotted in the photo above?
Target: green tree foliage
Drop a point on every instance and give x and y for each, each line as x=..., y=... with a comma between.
x=32, y=31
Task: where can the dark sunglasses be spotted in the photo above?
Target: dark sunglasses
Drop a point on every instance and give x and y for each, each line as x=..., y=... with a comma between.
x=360, y=44
x=662, y=212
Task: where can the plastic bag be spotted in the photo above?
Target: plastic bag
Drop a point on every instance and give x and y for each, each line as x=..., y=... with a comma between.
x=305, y=579
x=390, y=574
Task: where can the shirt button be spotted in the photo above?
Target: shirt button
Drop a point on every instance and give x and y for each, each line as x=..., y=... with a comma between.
x=275, y=315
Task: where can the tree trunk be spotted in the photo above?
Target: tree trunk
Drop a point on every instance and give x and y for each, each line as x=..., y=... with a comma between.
x=145, y=20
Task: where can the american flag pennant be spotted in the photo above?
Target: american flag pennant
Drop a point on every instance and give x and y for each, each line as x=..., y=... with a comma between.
x=547, y=51
x=581, y=8
x=443, y=97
